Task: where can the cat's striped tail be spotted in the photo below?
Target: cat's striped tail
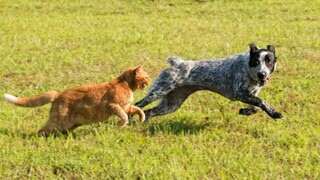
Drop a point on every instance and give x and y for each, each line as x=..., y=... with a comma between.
x=33, y=101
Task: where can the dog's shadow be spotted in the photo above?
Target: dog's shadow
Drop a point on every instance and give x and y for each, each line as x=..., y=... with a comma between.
x=182, y=127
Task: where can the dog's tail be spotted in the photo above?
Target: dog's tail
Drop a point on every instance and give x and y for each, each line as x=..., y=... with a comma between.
x=174, y=60
x=33, y=101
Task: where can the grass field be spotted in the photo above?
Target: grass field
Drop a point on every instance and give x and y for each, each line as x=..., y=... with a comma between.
x=56, y=45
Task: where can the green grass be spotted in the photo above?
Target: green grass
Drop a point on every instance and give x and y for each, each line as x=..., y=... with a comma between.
x=56, y=45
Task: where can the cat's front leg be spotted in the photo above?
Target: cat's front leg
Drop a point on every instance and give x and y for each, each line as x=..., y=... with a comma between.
x=118, y=111
x=131, y=110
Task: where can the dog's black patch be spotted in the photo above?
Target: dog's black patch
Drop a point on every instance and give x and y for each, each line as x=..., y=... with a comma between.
x=254, y=55
x=255, y=52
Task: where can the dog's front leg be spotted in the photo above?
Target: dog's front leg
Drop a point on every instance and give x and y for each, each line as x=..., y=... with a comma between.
x=249, y=98
x=249, y=110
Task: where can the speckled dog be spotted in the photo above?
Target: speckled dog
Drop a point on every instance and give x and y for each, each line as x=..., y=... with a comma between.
x=238, y=77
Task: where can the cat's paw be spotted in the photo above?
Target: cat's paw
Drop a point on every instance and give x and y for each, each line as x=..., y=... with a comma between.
x=122, y=123
x=142, y=119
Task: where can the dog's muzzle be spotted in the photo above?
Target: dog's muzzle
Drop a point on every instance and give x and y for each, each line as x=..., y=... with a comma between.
x=263, y=81
x=263, y=78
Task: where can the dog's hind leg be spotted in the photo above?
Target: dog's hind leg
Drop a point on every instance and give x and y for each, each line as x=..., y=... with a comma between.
x=156, y=92
x=164, y=84
x=171, y=102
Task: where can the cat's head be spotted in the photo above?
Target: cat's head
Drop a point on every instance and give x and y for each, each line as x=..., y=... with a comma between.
x=136, y=77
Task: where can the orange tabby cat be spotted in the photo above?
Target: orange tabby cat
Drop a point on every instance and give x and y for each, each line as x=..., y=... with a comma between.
x=90, y=103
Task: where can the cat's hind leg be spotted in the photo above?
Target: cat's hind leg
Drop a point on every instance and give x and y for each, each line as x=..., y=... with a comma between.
x=62, y=125
x=52, y=127
x=58, y=120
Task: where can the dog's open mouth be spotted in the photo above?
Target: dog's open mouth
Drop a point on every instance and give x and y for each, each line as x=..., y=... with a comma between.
x=263, y=82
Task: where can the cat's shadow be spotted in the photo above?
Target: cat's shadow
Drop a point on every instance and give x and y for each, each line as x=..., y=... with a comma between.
x=181, y=127
x=17, y=133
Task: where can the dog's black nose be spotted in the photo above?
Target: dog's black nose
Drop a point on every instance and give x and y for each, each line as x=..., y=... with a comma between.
x=261, y=75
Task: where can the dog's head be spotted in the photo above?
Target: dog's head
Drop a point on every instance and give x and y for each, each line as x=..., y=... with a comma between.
x=262, y=63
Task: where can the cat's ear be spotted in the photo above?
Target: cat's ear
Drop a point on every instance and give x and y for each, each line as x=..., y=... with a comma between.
x=138, y=69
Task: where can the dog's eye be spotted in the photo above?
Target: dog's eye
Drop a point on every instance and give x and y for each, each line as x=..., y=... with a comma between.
x=257, y=63
x=267, y=59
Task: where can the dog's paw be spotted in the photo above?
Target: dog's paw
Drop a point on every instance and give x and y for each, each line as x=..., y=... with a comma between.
x=248, y=111
x=276, y=115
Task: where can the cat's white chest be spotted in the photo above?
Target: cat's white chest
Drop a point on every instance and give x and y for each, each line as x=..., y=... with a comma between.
x=131, y=98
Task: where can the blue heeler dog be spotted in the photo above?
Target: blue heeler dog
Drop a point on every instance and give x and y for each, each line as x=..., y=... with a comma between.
x=238, y=77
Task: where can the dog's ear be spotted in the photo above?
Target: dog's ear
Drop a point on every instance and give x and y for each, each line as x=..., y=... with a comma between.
x=271, y=48
x=253, y=47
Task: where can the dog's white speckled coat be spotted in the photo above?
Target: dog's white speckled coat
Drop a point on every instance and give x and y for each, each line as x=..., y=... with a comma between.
x=239, y=77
